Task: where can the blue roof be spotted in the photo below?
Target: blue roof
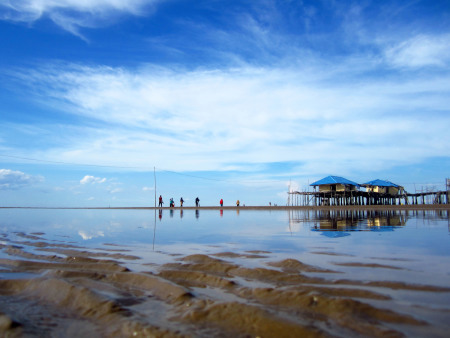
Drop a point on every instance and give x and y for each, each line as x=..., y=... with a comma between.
x=334, y=180
x=381, y=183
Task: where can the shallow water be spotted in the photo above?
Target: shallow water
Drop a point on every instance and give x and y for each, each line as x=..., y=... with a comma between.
x=396, y=260
x=410, y=240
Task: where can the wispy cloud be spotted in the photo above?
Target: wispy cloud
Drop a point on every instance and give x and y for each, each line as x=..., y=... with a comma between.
x=71, y=15
x=420, y=51
x=11, y=180
x=324, y=85
x=115, y=190
x=319, y=114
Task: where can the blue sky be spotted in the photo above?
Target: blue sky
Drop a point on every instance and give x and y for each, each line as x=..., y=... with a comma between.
x=226, y=99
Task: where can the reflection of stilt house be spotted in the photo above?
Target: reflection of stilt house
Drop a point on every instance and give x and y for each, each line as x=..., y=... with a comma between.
x=336, y=220
x=385, y=218
x=385, y=221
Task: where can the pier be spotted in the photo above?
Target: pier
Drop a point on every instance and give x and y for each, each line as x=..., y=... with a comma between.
x=343, y=198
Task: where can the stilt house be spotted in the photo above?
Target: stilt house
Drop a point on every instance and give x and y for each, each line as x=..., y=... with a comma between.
x=335, y=183
x=383, y=187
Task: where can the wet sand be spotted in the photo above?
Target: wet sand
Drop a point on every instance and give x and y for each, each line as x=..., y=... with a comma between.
x=49, y=289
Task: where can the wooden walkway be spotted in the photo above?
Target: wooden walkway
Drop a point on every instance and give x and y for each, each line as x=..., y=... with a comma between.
x=343, y=198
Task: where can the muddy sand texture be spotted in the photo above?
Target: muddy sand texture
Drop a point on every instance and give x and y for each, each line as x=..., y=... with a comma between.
x=72, y=292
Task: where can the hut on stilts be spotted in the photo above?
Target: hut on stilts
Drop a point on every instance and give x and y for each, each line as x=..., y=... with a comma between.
x=339, y=191
x=381, y=192
x=335, y=190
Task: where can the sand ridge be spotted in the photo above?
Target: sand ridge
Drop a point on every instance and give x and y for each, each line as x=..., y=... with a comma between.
x=72, y=291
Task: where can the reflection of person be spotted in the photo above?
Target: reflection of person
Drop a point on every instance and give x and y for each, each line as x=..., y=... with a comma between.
x=160, y=214
x=197, y=202
x=237, y=203
x=181, y=201
x=221, y=202
x=160, y=201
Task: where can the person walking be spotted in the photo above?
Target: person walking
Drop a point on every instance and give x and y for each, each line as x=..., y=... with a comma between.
x=160, y=201
x=221, y=202
x=197, y=202
x=181, y=201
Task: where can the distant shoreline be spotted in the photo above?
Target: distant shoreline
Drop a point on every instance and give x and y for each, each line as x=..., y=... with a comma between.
x=334, y=207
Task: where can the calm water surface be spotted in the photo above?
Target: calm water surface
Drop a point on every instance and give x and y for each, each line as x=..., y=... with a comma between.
x=407, y=246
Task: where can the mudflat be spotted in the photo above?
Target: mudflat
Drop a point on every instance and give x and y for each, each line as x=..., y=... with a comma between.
x=71, y=291
x=56, y=286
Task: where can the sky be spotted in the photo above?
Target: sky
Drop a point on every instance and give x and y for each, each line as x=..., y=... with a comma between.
x=102, y=101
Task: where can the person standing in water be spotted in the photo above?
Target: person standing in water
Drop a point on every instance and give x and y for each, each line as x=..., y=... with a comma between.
x=160, y=201
x=221, y=202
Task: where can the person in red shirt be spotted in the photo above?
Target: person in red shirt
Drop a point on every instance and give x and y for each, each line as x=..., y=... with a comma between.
x=221, y=202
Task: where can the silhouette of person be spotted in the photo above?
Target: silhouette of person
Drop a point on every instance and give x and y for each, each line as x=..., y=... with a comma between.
x=181, y=201
x=160, y=201
x=197, y=202
x=221, y=202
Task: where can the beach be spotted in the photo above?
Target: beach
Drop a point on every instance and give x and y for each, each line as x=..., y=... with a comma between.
x=61, y=288
x=224, y=169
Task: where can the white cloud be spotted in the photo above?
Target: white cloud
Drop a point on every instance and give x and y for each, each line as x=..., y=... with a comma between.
x=10, y=179
x=148, y=189
x=421, y=50
x=92, y=180
x=328, y=118
x=71, y=15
